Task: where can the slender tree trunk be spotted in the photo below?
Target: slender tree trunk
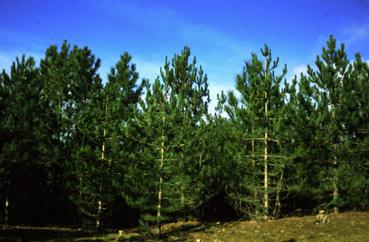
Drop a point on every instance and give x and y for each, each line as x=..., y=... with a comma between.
x=99, y=209
x=158, y=215
x=99, y=202
x=277, y=206
x=266, y=178
x=103, y=157
x=335, y=181
x=183, y=196
x=6, y=209
x=334, y=164
x=254, y=171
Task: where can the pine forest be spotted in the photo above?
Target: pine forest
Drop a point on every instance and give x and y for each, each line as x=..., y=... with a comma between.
x=124, y=152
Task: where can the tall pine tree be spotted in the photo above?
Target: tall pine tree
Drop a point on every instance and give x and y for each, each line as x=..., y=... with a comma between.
x=327, y=86
x=168, y=165
x=259, y=114
x=25, y=139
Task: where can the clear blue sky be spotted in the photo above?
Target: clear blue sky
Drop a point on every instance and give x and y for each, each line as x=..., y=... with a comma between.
x=222, y=34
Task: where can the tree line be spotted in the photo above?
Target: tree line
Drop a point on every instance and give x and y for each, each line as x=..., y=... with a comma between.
x=75, y=150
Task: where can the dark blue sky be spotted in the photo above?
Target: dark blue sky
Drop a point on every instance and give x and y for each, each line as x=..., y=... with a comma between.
x=222, y=34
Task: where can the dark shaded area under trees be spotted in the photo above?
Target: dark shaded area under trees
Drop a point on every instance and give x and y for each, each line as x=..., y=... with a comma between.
x=77, y=151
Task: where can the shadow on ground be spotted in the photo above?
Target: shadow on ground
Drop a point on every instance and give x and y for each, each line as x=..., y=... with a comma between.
x=19, y=234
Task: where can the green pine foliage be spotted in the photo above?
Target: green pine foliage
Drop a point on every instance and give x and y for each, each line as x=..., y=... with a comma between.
x=259, y=115
x=25, y=140
x=327, y=90
x=328, y=120
x=89, y=179
x=354, y=116
x=303, y=187
x=121, y=96
x=55, y=71
x=162, y=182
x=77, y=150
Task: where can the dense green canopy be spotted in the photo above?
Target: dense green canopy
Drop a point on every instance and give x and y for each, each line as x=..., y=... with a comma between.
x=129, y=151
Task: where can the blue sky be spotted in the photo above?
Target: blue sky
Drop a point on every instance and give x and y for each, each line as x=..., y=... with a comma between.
x=222, y=34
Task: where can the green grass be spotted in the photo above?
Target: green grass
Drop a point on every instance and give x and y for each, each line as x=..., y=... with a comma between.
x=350, y=226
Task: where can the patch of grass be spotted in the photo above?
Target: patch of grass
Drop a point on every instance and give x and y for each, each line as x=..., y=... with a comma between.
x=351, y=226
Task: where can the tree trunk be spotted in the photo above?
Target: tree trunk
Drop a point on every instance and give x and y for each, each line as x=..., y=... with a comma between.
x=6, y=210
x=103, y=148
x=266, y=179
x=253, y=168
x=158, y=215
x=334, y=164
x=277, y=206
x=99, y=202
x=99, y=209
x=335, y=181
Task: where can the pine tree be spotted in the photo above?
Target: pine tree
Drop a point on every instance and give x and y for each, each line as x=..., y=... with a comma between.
x=4, y=130
x=354, y=117
x=304, y=186
x=218, y=143
x=327, y=82
x=55, y=70
x=120, y=100
x=73, y=88
x=25, y=154
x=101, y=159
x=259, y=115
x=167, y=165
x=82, y=137
x=144, y=181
